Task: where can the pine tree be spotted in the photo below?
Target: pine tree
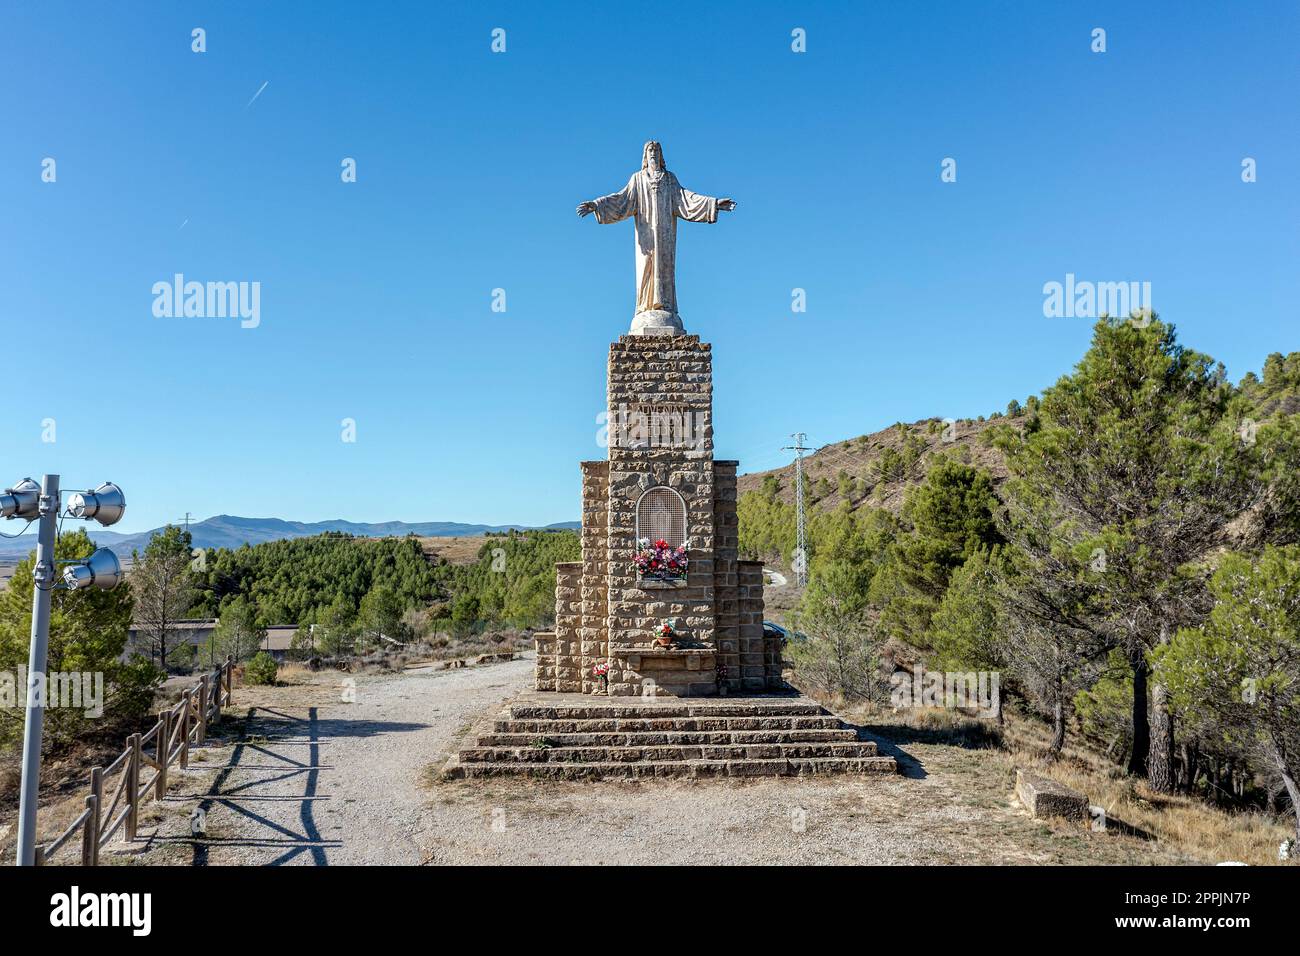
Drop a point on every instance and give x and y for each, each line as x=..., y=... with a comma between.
x=1126, y=485
x=951, y=517
x=379, y=619
x=1238, y=674
x=238, y=633
x=335, y=633
x=88, y=634
x=163, y=587
x=965, y=630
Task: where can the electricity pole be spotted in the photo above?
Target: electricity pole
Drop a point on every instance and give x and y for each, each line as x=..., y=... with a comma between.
x=800, y=561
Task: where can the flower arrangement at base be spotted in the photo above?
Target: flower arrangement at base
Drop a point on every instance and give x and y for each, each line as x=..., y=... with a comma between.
x=601, y=670
x=667, y=633
x=660, y=561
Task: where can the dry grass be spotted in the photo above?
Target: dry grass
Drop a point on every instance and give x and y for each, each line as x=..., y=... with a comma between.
x=292, y=672
x=489, y=642
x=454, y=550
x=980, y=756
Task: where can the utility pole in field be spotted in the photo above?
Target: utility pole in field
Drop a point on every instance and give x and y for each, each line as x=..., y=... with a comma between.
x=799, y=563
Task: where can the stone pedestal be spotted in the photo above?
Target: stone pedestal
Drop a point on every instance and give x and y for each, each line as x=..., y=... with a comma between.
x=660, y=407
x=657, y=322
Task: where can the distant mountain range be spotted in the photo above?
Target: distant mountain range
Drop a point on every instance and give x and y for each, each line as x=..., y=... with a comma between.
x=230, y=531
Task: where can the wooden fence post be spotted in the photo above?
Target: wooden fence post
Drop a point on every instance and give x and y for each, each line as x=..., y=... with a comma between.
x=96, y=791
x=215, y=690
x=187, y=700
x=164, y=751
x=97, y=788
x=97, y=782
x=202, y=734
x=90, y=833
x=133, y=787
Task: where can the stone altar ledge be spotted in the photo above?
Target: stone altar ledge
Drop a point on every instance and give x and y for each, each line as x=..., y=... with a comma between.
x=695, y=658
x=557, y=703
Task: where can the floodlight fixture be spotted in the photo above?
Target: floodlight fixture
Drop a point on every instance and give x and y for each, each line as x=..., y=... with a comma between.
x=42, y=504
x=23, y=500
x=105, y=504
x=102, y=569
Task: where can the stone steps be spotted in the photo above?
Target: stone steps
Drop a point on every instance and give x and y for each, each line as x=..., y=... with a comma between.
x=665, y=754
x=759, y=736
x=714, y=708
x=806, y=766
x=665, y=737
x=661, y=724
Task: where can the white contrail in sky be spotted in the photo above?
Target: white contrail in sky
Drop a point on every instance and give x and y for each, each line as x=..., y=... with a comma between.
x=257, y=94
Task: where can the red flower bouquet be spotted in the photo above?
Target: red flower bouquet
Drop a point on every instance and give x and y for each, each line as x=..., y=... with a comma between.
x=601, y=670
x=667, y=633
x=661, y=561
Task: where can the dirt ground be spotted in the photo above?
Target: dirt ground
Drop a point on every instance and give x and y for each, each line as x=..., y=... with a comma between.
x=460, y=550
x=327, y=772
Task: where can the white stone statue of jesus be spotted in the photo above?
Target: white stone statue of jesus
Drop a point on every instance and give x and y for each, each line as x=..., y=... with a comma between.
x=657, y=200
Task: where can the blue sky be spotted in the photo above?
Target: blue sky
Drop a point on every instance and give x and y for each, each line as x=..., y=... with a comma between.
x=923, y=297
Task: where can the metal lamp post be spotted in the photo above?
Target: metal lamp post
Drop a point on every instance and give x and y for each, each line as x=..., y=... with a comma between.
x=41, y=503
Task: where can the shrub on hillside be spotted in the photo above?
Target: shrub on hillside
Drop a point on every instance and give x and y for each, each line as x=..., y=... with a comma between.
x=134, y=688
x=261, y=669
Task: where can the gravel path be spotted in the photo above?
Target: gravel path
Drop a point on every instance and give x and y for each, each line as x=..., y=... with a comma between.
x=321, y=780
x=324, y=780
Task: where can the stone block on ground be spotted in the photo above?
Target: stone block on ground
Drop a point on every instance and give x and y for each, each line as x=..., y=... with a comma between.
x=1045, y=797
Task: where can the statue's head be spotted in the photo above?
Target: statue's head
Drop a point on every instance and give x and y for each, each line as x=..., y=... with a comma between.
x=652, y=147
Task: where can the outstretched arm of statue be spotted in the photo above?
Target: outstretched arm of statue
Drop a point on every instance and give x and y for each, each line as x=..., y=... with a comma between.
x=612, y=208
x=696, y=208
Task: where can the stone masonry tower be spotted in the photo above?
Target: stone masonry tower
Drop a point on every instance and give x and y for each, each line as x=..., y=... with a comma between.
x=659, y=605
x=660, y=482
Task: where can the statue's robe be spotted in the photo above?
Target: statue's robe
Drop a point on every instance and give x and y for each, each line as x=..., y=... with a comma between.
x=657, y=203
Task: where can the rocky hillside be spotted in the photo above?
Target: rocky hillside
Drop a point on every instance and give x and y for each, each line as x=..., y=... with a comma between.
x=877, y=469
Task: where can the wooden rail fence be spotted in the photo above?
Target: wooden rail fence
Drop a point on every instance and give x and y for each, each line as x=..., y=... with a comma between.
x=164, y=744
